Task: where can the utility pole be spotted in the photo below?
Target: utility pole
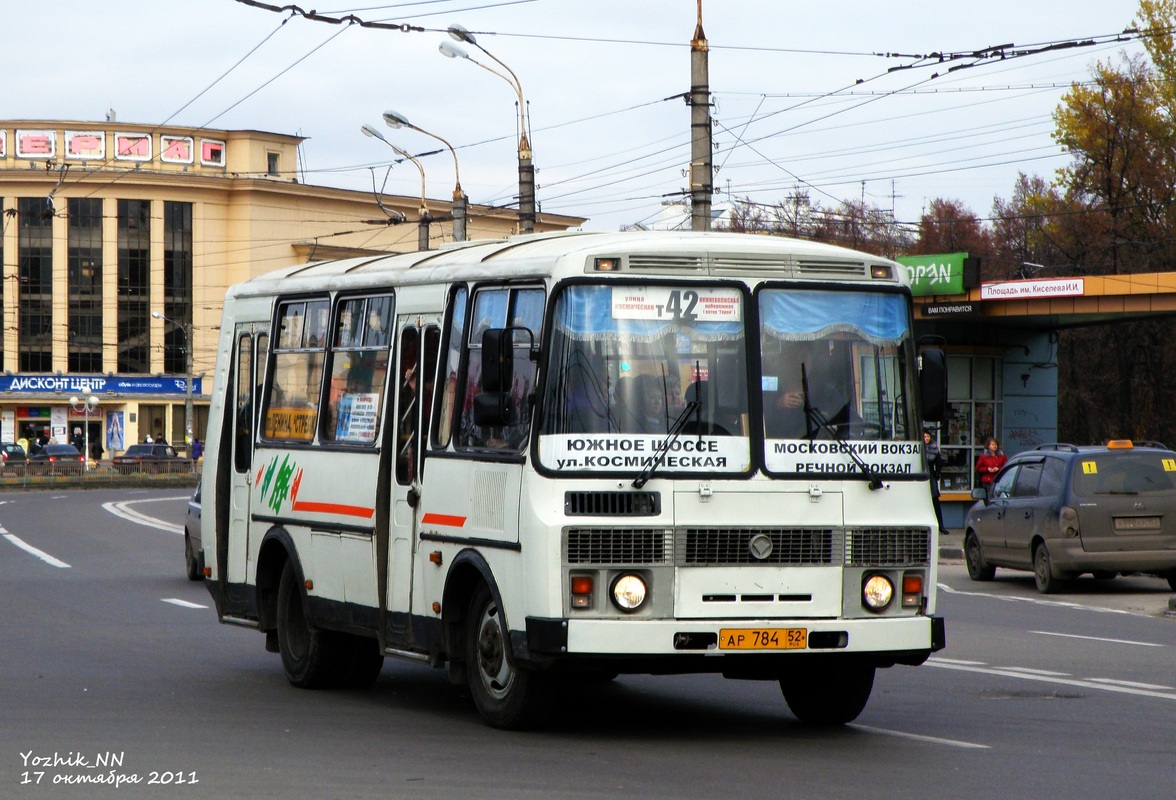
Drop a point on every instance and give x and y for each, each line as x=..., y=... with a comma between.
x=701, y=149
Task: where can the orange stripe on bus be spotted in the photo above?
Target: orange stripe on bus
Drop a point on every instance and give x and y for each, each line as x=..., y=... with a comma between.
x=443, y=519
x=334, y=508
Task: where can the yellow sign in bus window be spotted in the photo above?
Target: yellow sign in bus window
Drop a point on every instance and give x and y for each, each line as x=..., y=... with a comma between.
x=1089, y=468
x=1169, y=464
x=290, y=423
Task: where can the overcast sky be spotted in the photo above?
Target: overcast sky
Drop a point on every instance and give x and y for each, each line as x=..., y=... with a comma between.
x=609, y=143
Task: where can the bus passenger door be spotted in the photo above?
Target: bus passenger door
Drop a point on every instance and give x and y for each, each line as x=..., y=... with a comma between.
x=419, y=337
x=252, y=344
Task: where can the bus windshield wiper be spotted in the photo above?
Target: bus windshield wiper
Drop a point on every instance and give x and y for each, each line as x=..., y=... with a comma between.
x=814, y=415
x=692, y=407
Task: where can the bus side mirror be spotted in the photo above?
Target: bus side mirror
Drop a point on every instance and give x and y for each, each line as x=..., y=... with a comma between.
x=497, y=360
x=492, y=409
x=933, y=384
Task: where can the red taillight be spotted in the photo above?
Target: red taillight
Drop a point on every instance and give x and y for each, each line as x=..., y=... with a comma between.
x=52, y=459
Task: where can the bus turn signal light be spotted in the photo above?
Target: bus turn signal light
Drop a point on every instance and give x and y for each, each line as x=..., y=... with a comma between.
x=582, y=587
x=912, y=590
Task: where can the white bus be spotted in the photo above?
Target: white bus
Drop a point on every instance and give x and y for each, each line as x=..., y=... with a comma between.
x=579, y=455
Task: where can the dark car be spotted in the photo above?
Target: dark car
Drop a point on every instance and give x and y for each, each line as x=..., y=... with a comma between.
x=151, y=458
x=1063, y=510
x=12, y=457
x=193, y=561
x=57, y=459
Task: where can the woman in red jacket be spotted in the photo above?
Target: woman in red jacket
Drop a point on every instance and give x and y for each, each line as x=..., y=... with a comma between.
x=990, y=461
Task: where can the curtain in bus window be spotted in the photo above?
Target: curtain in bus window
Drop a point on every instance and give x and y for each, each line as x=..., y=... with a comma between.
x=813, y=314
x=601, y=313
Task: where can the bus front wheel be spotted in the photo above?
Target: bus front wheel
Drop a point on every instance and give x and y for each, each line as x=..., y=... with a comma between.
x=829, y=693
x=309, y=656
x=506, y=696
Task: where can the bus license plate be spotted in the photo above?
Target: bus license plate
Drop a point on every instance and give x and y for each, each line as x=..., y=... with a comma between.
x=763, y=638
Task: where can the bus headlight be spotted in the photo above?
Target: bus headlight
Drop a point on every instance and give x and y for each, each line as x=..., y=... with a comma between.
x=877, y=592
x=629, y=591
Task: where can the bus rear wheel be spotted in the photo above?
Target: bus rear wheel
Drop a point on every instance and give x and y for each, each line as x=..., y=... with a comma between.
x=310, y=657
x=828, y=693
x=506, y=696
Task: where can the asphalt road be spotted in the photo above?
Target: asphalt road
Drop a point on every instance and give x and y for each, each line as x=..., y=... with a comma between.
x=112, y=664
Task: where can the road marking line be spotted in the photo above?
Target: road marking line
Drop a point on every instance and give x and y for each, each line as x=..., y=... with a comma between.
x=1036, y=671
x=1038, y=601
x=1133, y=684
x=175, y=601
x=122, y=510
x=28, y=548
x=1098, y=639
x=1084, y=684
x=921, y=738
x=958, y=661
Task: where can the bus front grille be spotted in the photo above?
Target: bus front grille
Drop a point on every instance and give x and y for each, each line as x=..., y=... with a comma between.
x=612, y=504
x=619, y=546
x=722, y=546
x=717, y=547
x=887, y=547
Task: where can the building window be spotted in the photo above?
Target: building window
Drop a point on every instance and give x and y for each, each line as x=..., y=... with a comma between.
x=84, y=264
x=35, y=271
x=134, y=286
x=974, y=391
x=272, y=159
x=177, y=285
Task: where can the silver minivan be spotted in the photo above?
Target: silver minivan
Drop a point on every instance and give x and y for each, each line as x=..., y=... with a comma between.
x=1062, y=510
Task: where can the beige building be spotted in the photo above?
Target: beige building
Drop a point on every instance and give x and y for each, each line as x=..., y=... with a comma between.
x=119, y=242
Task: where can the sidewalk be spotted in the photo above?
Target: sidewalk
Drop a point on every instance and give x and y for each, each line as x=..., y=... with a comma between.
x=951, y=546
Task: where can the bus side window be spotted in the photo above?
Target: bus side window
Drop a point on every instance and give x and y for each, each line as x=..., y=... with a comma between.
x=291, y=407
x=358, y=370
x=406, y=401
x=428, y=381
x=243, y=430
x=454, y=339
x=522, y=310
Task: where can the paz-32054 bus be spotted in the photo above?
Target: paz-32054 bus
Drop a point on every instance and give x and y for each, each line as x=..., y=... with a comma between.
x=579, y=455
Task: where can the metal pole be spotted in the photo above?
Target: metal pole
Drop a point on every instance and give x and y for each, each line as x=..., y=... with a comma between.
x=188, y=420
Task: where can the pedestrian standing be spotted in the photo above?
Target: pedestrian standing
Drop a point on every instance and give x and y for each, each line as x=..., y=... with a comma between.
x=935, y=468
x=990, y=462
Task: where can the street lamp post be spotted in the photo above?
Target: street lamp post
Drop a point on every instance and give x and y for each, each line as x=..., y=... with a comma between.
x=526, y=167
x=426, y=218
x=187, y=329
x=460, y=201
x=85, y=405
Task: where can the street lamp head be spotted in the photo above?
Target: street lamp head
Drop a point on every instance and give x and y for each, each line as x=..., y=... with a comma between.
x=460, y=34
x=368, y=130
x=157, y=314
x=450, y=50
x=394, y=120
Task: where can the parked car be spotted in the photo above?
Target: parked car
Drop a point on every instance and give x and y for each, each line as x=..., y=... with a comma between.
x=1062, y=510
x=12, y=457
x=192, y=560
x=151, y=458
x=57, y=459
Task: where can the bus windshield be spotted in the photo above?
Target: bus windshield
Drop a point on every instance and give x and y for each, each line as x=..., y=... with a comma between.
x=834, y=380
x=627, y=361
